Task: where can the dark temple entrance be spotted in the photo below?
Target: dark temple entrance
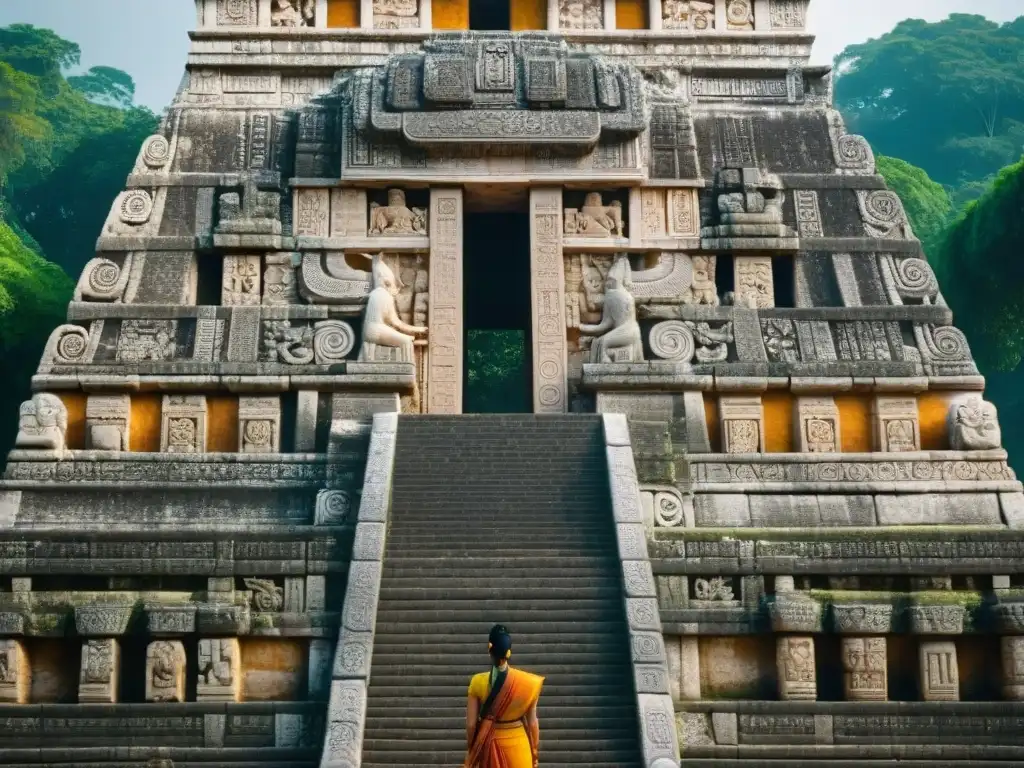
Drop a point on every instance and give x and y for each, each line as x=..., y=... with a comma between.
x=497, y=313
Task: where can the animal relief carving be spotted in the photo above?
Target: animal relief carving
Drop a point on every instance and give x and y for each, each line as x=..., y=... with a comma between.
x=42, y=424
x=396, y=218
x=595, y=219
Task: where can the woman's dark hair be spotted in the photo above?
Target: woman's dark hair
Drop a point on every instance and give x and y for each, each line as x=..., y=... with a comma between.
x=499, y=643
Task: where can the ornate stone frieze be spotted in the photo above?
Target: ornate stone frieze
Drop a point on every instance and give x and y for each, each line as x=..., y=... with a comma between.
x=15, y=673
x=280, y=287
x=108, y=422
x=42, y=424
x=259, y=424
x=165, y=671
x=126, y=470
x=755, y=285
x=580, y=14
x=895, y=423
x=99, y=674
x=395, y=14
x=937, y=619
x=219, y=670
x=788, y=14
x=693, y=15
x=817, y=425
x=548, y=301
x=862, y=618
x=853, y=471
x=236, y=13
x=749, y=205
x=742, y=420
x=973, y=425
x=797, y=669
x=147, y=341
x=595, y=219
x=792, y=613
x=102, y=620
x=183, y=424
x=285, y=343
x=170, y=620
x=865, y=669
x=104, y=279
x=940, y=675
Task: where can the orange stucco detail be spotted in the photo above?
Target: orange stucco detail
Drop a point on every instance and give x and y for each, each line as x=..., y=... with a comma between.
x=932, y=410
x=855, y=423
x=343, y=14
x=75, y=403
x=450, y=14
x=631, y=14
x=711, y=414
x=529, y=14
x=778, y=422
x=222, y=424
x=273, y=669
x=145, y=429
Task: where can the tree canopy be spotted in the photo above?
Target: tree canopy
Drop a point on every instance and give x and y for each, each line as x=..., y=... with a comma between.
x=947, y=97
x=927, y=203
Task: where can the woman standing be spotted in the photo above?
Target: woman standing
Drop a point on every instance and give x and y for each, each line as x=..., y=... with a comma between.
x=502, y=730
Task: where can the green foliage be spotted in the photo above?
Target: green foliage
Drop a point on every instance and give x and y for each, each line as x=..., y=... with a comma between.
x=927, y=202
x=105, y=85
x=19, y=123
x=947, y=97
x=497, y=379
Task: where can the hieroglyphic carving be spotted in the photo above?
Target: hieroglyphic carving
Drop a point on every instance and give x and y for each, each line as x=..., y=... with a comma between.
x=896, y=425
x=817, y=425
x=219, y=670
x=796, y=669
x=695, y=15
x=165, y=671
x=808, y=213
x=940, y=676
x=293, y=13
x=279, y=283
x=259, y=424
x=241, y=282
x=595, y=219
x=973, y=425
x=99, y=674
x=683, y=213
x=444, y=355
x=15, y=673
x=581, y=14
x=788, y=14
x=349, y=212
x=742, y=419
x=183, y=427
x=42, y=423
x=755, y=287
x=312, y=212
x=652, y=213
x=618, y=334
x=396, y=218
x=548, y=301
x=865, y=671
x=395, y=14
x=236, y=13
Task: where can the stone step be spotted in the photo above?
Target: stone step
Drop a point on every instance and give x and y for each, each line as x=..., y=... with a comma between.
x=397, y=553
x=392, y=752
x=428, y=619
x=553, y=729
x=512, y=597
x=498, y=581
x=471, y=663
x=565, y=680
x=571, y=710
x=536, y=628
x=576, y=570
x=476, y=647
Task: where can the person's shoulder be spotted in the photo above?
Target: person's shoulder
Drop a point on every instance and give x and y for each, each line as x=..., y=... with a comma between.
x=533, y=678
x=478, y=685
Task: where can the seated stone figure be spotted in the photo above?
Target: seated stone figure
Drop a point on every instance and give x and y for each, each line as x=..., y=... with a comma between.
x=293, y=13
x=396, y=218
x=595, y=219
x=43, y=423
x=974, y=425
x=619, y=338
x=382, y=327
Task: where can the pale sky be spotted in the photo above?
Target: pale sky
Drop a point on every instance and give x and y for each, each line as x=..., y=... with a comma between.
x=148, y=38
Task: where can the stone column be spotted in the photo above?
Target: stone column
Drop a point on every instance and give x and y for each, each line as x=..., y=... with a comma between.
x=98, y=678
x=553, y=16
x=15, y=674
x=865, y=669
x=220, y=671
x=794, y=657
x=609, y=15
x=366, y=14
x=444, y=350
x=547, y=293
x=165, y=671
x=1013, y=668
x=321, y=14
x=654, y=15
x=426, y=15
x=940, y=676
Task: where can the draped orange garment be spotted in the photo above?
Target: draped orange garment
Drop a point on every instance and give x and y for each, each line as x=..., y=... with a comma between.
x=502, y=738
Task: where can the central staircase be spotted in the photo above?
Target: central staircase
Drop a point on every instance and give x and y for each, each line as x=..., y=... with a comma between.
x=501, y=519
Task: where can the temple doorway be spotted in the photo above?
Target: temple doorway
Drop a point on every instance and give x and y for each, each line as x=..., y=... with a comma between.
x=496, y=279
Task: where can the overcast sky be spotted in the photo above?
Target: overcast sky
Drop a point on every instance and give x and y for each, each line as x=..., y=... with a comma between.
x=148, y=38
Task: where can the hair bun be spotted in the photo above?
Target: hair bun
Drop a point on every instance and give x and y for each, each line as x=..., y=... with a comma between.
x=499, y=642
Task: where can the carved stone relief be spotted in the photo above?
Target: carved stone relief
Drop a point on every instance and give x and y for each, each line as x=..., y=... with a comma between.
x=865, y=670
x=385, y=336
x=259, y=424
x=896, y=425
x=395, y=14
x=683, y=213
x=580, y=14
x=808, y=213
x=293, y=13
x=236, y=13
x=183, y=424
x=695, y=15
x=739, y=15
x=755, y=286
x=241, y=281
x=280, y=287
x=797, y=669
x=104, y=279
x=550, y=360
x=42, y=424
x=618, y=337
x=312, y=213
x=973, y=425
x=1013, y=668
x=883, y=215
x=15, y=673
x=595, y=219
x=165, y=671
x=853, y=155
x=144, y=341
x=788, y=14
x=99, y=674
x=267, y=597
x=704, y=290
x=396, y=218
x=780, y=341
x=742, y=419
x=283, y=343
x=219, y=670
x=940, y=676
x=817, y=425
x=108, y=422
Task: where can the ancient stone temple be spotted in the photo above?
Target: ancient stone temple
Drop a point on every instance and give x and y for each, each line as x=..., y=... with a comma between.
x=754, y=509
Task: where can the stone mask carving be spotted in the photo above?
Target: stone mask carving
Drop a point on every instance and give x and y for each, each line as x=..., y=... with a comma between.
x=619, y=338
x=974, y=425
x=43, y=423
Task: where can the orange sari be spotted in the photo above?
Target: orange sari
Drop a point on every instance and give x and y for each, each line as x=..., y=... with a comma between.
x=502, y=739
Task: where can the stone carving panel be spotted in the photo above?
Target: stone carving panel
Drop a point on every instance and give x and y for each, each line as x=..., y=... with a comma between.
x=940, y=676
x=108, y=422
x=595, y=219
x=683, y=213
x=99, y=672
x=219, y=670
x=1013, y=668
x=580, y=14
x=797, y=669
x=617, y=336
x=147, y=341
x=165, y=671
x=788, y=14
x=42, y=424
x=693, y=15
x=312, y=213
x=896, y=425
x=236, y=13
x=104, y=279
x=973, y=425
x=865, y=671
x=883, y=215
x=550, y=378
x=183, y=424
x=395, y=14
x=332, y=507
x=396, y=218
x=808, y=213
x=280, y=287
x=742, y=424
x=15, y=673
x=259, y=424
x=266, y=596
x=241, y=281
x=70, y=345
x=853, y=155
x=817, y=425
x=755, y=285
x=293, y=13
x=739, y=15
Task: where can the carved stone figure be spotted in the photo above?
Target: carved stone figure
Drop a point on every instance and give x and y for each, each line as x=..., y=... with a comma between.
x=266, y=595
x=284, y=344
x=697, y=15
x=581, y=14
x=619, y=338
x=382, y=327
x=43, y=423
x=219, y=672
x=865, y=669
x=712, y=343
x=395, y=14
x=595, y=219
x=703, y=290
x=293, y=13
x=98, y=677
x=165, y=671
x=974, y=425
x=796, y=669
x=396, y=218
